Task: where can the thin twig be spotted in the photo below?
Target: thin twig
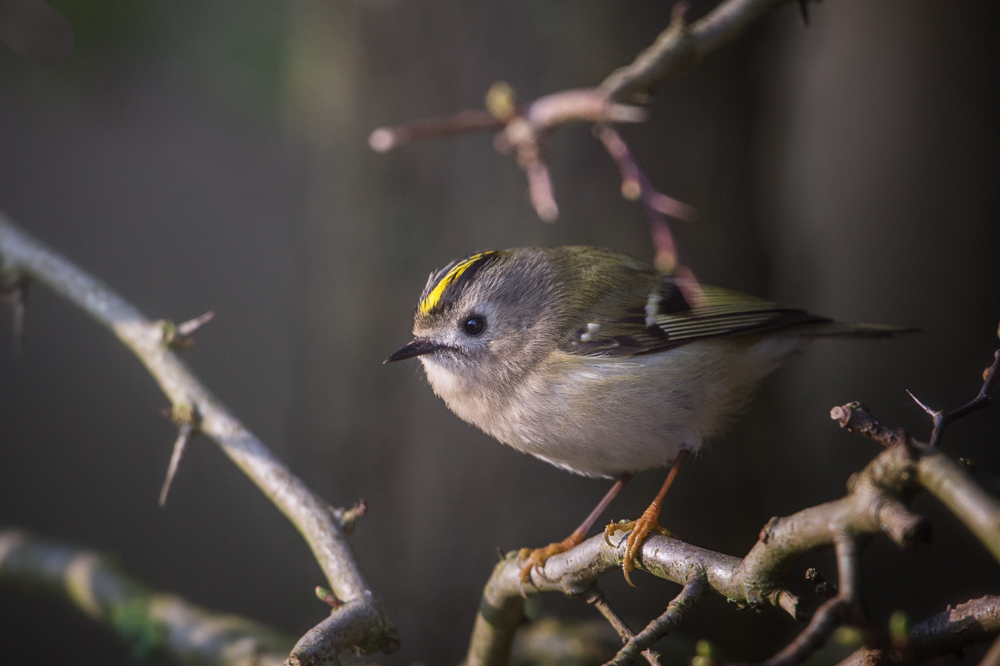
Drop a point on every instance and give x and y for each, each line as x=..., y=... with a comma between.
x=524, y=129
x=635, y=185
x=942, y=420
x=384, y=139
x=597, y=600
x=826, y=618
x=659, y=627
x=315, y=519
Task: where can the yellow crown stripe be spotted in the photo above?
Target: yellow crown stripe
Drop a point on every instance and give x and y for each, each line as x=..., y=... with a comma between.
x=433, y=298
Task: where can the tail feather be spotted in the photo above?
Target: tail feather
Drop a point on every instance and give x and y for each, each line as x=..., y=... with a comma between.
x=832, y=329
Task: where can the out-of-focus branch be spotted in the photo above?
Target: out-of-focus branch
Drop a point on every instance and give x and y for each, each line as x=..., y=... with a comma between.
x=635, y=185
x=682, y=46
x=956, y=489
x=385, y=139
x=524, y=129
x=976, y=621
x=148, y=622
x=316, y=520
x=677, y=48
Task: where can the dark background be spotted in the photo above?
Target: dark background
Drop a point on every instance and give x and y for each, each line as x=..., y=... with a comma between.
x=212, y=155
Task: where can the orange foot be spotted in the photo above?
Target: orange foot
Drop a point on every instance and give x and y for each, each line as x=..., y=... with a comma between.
x=637, y=531
x=536, y=558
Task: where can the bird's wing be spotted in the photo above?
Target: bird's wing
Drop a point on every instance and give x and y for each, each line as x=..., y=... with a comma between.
x=662, y=319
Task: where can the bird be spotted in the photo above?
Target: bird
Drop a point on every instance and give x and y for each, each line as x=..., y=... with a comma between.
x=599, y=364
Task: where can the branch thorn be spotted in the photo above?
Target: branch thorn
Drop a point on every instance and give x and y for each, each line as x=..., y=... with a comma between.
x=14, y=292
x=930, y=412
x=186, y=418
x=180, y=336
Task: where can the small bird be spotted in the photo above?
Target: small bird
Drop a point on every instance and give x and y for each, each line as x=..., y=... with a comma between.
x=598, y=363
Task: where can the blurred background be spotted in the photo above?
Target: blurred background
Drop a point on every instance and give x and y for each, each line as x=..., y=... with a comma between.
x=213, y=155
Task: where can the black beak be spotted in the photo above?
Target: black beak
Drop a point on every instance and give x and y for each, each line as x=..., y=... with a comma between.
x=418, y=347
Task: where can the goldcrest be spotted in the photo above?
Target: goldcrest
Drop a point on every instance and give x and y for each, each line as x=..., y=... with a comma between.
x=594, y=361
x=598, y=363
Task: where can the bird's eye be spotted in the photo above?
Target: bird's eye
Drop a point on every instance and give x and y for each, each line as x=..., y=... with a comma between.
x=474, y=325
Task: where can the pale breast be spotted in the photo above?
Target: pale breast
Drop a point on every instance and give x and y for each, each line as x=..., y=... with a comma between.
x=606, y=416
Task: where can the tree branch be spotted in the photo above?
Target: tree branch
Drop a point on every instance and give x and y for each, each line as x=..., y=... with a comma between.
x=956, y=489
x=976, y=621
x=597, y=600
x=149, y=622
x=942, y=420
x=876, y=503
x=680, y=46
x=316, y=520
x=574, y=572
x=659, y=627
x=523, y=130
x=941, y=476
x=830, y=615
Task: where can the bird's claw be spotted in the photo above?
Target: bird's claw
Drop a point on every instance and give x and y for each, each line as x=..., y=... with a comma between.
x=635, y=531
x=535, y=558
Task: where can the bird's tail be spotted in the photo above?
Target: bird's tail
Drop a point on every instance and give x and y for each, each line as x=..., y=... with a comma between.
x=834, y=329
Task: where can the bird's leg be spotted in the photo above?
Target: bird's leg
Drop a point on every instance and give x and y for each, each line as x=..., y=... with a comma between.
x=649, y=522
x=536, y=558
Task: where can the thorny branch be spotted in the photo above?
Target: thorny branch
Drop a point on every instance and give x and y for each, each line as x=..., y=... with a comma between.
x=523, y=129
x=877, y=499
x=877, y=503
x=942, y=420
x=359, y=623
x=149, y=622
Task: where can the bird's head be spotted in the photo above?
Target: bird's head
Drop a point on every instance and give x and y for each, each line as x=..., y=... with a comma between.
x=486, y=318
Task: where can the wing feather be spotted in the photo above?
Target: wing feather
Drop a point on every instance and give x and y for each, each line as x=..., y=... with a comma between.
x=662, y=320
